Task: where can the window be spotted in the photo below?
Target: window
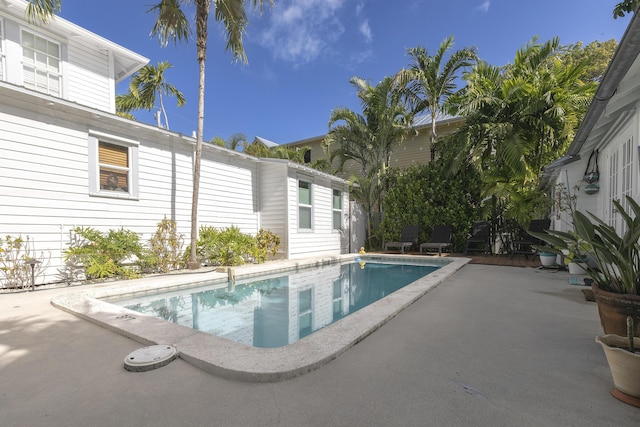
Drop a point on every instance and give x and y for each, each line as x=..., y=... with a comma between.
x=305, y=313
x=305, y=205
x=113, y=166
x=40, y=64
x=2, y=60
x=113, y=161
x=337, y=210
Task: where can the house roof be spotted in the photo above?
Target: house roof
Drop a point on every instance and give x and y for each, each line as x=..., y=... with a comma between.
x=613, y=102
x=421, y=122
x=266, y=142
x=126, y=62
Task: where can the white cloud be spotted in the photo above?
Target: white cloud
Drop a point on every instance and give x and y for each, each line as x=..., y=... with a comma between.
x=484, y=7
x=365, y=30
x=301, y=30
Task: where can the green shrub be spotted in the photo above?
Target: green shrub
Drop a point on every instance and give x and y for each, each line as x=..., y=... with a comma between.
x=164, y=253
x=229, y=246
x=104, y=255
x=267, y=243
x=420, y=196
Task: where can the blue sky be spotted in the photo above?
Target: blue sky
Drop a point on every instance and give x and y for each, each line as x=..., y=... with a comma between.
x=302, y=53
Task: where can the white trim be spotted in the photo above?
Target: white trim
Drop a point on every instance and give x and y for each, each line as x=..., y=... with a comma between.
x=93, y=166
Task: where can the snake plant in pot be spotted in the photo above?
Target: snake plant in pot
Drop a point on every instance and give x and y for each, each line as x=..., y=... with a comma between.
x=614, y=267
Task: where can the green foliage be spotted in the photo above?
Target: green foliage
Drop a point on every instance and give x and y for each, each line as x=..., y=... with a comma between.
x=229, y=246
x=617, y=257
x=165, y=249
x=267, y=243
x=420, y=196
x=104, y=255
x=624, y=7
x=15, y=253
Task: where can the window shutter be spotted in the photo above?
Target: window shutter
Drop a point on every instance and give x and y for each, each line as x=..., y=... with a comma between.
x=113, y=155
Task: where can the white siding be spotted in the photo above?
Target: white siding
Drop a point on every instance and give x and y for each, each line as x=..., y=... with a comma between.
x=88, y=76
x=322, y=240
x=273, y=202
x=44, y=190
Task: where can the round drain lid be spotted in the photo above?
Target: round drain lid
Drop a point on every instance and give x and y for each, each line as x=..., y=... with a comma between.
x=148, y=358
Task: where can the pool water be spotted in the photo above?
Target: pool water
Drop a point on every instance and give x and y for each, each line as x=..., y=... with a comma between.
x=280, y=309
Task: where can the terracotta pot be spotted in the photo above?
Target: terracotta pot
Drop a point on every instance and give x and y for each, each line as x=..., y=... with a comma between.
x=624, y=366
x=613, y=310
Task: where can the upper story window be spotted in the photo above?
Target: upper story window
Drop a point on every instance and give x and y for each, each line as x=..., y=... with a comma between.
x=113, y=166
x=337, y=209
x=40, y=64
x=305, y=205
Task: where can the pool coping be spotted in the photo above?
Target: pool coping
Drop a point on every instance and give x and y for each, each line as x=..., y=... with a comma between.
x=236, y=361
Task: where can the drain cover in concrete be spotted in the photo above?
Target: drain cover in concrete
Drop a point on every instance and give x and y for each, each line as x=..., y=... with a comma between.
x=148, y=358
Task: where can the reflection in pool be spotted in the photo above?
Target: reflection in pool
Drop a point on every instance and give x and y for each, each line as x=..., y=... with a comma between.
x=280, y=309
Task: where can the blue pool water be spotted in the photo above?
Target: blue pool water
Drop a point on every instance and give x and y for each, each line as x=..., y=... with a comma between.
x=278, y=310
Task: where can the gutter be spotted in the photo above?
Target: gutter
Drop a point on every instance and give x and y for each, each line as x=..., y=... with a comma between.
x=622, y=60
x=624, y=57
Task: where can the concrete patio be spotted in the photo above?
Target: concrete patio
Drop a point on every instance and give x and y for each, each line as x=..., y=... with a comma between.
x=491, y=346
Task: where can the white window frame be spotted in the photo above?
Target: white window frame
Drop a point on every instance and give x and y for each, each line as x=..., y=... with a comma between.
x=94, y=140
x=50, y=74
x=335, y=210
x=304, y=206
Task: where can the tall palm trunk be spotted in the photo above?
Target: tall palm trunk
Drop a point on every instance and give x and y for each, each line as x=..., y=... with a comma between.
x=202, y=16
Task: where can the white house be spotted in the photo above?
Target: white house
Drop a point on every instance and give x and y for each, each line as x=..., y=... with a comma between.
x=67, y=160
x=610, y=130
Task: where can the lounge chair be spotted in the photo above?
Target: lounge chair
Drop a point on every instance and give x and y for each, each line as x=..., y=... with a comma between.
x=480, y=239
x=524, y=244
x=408, y=239
x=439, y=240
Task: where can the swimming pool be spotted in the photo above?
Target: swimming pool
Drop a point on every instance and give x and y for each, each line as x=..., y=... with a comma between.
x=238, y=361
x=279, y=309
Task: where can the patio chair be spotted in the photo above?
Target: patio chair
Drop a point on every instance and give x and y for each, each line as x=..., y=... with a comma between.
x=408, y=239
x=480, y=239
x=524, y=244
x=439, y=240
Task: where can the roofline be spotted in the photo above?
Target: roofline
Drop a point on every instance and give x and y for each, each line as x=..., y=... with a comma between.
x=75, y=30
x=627, y=52
x=426, y=125
x=94, y=118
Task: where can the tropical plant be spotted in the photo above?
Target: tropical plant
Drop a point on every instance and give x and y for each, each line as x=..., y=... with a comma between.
x=165, y=249
x=227, y=246
x=147, y=85
x=267, y=243
x=234, y=142
x=103, y=255
x=616, y=257
x=16, y=269
x=173, y=25
x=429, y=81
x=624, y=7
x=519, y=118
x=368, y=139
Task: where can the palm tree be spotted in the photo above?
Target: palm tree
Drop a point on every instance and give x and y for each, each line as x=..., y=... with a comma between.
x=429, y=81
x=235, y=141
x=368, y=139
x=172, y=24
x=147, y=85
x=519, y=118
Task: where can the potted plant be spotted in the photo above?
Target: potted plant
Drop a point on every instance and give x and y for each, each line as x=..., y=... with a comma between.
x=623, y=357
x=547, y=258
x=614, y=267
